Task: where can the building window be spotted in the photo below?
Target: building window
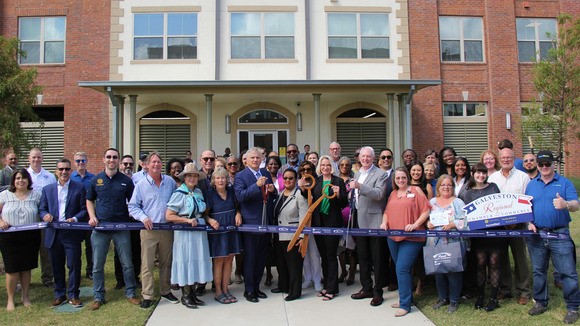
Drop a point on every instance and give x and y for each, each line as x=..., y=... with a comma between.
x=358, y=36
x=42, y=39
x=535, y=38
x=165, y=36
x=262, y=35
x=464, y=110
x=461, y=39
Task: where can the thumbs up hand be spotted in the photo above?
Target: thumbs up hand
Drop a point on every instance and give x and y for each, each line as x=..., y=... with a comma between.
x=559, y=202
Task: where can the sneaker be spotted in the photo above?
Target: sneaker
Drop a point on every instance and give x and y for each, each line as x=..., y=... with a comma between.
x=571, y=317
x=145, y=304
x=170, y=297
x=76, y=302
x=58, y=302
x=440, y=303
x=453, y=306
x=134, y=300
x=537, y=309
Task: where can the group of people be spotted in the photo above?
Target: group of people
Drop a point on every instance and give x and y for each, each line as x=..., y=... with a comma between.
x=257, y=189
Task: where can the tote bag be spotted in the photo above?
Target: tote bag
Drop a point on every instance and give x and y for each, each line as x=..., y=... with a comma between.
x=444, y=258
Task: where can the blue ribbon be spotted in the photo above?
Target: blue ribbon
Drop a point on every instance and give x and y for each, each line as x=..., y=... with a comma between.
x=107, y=226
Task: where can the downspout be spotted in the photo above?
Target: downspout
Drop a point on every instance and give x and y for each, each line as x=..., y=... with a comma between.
x=408, y=130
x=217, y=39
x=307, y=40
x=115, y=115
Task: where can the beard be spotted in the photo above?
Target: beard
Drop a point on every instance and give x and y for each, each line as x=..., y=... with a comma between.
x=293, y=160
x=532, y=170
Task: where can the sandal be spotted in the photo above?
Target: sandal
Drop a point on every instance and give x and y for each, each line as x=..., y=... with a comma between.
x=321, y=293
x=328, y=296
x=231, y=297
x=222, y=298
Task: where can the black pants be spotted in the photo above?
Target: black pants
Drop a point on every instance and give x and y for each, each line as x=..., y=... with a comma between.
x=289, y=269
x=328, y=248
x=372, y=257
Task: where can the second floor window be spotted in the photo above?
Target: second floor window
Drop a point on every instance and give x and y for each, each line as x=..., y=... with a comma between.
x=43, y=39
x=165, y=36
x=464, y=109
x=535, y=38
x=358, y=36
x=461, y=39
x=256, y=35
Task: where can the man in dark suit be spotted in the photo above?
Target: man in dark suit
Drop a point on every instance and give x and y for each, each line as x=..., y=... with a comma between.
x=64, y=201
x=248, y=185
x=370, y=186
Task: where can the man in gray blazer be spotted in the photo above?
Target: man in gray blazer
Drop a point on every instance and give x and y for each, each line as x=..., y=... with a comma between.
x=370, y=186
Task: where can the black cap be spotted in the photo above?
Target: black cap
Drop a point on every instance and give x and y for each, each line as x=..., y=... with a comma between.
x=545, y=156
x=143, y=156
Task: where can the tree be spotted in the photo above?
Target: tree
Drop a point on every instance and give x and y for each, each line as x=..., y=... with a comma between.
x=18, y=92
x=555, y=118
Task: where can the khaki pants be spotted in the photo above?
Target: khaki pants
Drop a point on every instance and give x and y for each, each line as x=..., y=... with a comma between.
x=152, y=243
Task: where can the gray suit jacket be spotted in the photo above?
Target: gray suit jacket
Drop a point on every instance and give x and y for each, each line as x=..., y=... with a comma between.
x=372, y=198
x=291, y=212
x=5, y=176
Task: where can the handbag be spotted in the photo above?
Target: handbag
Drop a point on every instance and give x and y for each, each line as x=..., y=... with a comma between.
x=444, y=258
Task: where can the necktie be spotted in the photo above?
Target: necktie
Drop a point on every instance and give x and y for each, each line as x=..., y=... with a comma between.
x=258, y=175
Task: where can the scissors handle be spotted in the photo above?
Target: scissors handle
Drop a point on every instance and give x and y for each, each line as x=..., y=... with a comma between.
x=308, y=216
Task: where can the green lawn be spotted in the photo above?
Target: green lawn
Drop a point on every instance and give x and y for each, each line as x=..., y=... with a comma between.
x=510, y=312
x=117, y=311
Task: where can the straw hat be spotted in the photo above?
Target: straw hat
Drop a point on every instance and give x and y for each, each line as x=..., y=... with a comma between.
x=191, y=168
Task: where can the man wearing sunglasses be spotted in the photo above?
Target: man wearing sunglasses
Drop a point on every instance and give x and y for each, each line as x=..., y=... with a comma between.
x=292, y=159
x=530, y=166
x=64, y=201
x=107, y=202
x=11, y=161
x=142, y=168
x=554, y=198
x=83, y=176
x=127, y=165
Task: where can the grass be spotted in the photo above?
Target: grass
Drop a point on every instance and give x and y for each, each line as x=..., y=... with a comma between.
x=117, y=311
x=510, y=312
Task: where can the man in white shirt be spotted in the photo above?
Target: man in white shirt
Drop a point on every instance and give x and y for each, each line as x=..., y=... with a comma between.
x=511, y=180
x=40, y=178
x=334, y=150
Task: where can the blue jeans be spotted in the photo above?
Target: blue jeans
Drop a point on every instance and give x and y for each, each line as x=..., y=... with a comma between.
x=404, y=254
x=562, y=253
x=449, y=286
x=101, y=242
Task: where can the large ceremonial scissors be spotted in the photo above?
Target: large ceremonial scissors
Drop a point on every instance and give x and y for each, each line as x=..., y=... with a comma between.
x=308, y=217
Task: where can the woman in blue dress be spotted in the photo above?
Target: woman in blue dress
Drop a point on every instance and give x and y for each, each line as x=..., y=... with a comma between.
x=191, y=260
x=224, y=244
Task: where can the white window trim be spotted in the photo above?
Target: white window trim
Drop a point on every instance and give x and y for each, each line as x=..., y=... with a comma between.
x=359, y=38
x=462, y=40
x=42, y=41
x=473, y=118
x=536, y=39
x=165, y=37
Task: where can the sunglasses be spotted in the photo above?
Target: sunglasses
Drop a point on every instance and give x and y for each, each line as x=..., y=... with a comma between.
x=211, y=159
x=307, y=170
x=114, y=157
x=128, y=164
x=81, y=161
x=233, y=164
x=547, y=165
x=63, y=169
x=292, y=151
x=529, y=160
x=345, y=164
x=288, y=178
x=13, y=159
x=386, y=157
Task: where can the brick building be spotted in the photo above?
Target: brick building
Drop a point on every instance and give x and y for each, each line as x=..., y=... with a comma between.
x=332, y=70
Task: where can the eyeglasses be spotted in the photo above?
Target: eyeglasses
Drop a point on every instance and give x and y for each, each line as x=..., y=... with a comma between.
x=13, y=159
x=292, y=151
x=547, y=165
x=334, y=148
x=211, y=159
x=233, y=164
x=127, y=163
x=386, y=157
x=81, y=161
x=63, y=169
x=529, y=160
x=307, y=170
x=114, y=157
x=288, y=178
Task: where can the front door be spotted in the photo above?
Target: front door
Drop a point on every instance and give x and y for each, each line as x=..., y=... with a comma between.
x=271, y=140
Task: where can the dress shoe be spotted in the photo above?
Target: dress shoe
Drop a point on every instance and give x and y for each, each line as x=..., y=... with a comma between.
x=146, y=304
x=96, y=305
x=491, y=305
x=276, y=290
x=261, y=294
x=376, y=301
x=134, y=300
x=523, y=301
x=251, y=297
x=361, y=295
x=58, y=302
x=291, y=298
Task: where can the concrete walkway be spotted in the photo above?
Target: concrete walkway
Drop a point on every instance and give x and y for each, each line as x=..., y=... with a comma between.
x=306, y=311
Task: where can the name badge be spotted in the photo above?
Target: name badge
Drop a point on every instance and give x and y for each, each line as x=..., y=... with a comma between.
x=411, y=195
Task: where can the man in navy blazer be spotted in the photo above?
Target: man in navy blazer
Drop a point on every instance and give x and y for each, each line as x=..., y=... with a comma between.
x=248, y=187
x=64, y=201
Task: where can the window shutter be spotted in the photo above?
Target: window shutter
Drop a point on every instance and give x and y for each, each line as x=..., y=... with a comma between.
x=469, y=139
x=49, y=138
x=353, y=134
x=168, y=140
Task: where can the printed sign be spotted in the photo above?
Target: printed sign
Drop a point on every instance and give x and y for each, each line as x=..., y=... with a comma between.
x=498, y=210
